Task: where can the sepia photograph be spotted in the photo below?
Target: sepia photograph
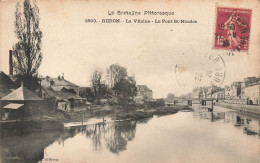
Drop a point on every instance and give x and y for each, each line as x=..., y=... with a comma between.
x=130, y=81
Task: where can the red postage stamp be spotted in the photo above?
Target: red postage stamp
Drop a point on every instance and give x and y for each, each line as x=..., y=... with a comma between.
x=232, y=29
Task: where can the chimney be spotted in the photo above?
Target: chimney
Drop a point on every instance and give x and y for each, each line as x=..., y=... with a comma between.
x=10, y=62
x=62, y=76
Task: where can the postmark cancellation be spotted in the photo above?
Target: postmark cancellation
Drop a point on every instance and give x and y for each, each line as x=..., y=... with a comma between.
x=232, y=29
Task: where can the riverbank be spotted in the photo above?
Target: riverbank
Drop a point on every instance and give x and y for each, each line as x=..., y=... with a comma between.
x=252, y=110
x=118, y=113
x=55, y=119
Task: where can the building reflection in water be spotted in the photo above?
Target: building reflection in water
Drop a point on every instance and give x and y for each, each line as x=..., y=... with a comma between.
x=17, y=146
x=250, y=125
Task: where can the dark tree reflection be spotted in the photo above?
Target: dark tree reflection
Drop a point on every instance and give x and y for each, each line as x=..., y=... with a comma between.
x=96, y=137
x=114, y=135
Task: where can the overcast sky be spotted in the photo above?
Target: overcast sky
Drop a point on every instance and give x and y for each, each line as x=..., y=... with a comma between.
x=150, y=51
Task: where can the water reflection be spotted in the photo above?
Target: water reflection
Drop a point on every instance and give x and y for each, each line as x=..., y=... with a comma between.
x=250, y=125
x=16, y=146
x=114, y=135
x=185, y=134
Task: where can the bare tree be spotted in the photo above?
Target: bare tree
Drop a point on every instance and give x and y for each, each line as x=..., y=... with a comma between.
x=27, y=51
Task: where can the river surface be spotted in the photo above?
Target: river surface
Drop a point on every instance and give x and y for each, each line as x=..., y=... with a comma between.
x=201, y=136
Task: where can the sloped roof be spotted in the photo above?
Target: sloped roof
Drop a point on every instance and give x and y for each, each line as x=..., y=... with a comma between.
x=4, y=91
x=13, y=106
x=21, y=94
x=57, y=82
x=6, y=84
x=5, y=80
x=84, y=88
x=253, y=84
x=49, y=92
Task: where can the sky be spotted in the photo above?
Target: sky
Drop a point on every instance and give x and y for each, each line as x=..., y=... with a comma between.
x=149, y=51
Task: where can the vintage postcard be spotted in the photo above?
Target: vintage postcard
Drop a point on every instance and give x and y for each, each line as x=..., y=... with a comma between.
x=130, y=81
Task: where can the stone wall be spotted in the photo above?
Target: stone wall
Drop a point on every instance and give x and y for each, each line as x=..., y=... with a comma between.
x=251, y=109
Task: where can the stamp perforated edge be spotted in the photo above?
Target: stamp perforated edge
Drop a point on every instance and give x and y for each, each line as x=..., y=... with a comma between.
x=214, y=27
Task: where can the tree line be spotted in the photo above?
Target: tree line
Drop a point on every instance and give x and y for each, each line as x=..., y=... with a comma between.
x=114, y=84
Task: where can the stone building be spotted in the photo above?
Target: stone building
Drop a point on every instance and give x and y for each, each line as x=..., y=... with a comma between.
x=250, y=80
x=20, y=104
x=143, y=93
x=252, y=93
x=60, y=83
x=233, y=91
x=197, y=93
x=236, y=90
x=220, y=95
x=63, y=100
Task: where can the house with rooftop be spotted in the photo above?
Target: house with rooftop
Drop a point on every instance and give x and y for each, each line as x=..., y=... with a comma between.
x=252, y=93
x=143, y=94
x=60, y=83
x=63, y=100
x=220, y=95
x=21, y=104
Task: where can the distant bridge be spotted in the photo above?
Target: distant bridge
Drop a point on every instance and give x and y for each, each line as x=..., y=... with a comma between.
x=189, y=102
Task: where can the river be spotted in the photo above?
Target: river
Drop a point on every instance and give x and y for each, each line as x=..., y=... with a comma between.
x=201, y=136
